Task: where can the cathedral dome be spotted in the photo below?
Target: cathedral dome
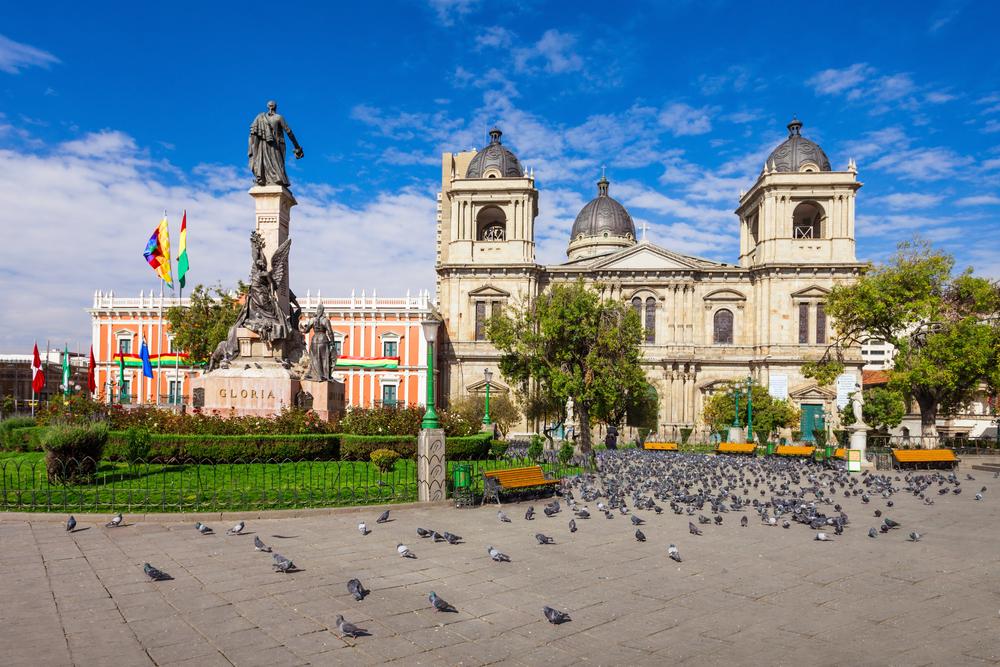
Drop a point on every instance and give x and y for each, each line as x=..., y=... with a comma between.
x=797, y=153
x=602, y=225
x=495, y=161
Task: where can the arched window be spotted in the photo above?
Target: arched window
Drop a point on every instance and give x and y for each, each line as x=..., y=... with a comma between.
x=491, y=224
x=807, y=221
x=650, y=320
x=723, y=327
x=637, y=304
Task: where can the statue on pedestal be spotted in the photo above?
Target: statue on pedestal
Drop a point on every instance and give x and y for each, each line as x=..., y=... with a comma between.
x=322, y=354
x=262, y=312
x=857, y=404
x=267, y=147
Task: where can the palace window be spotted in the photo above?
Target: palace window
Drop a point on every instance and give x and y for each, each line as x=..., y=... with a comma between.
x=650, y=321
x=390, y=348
x=125, y=345
x=820, y=325
x=803, y=323
x=389, y=395
x=338, y=345
x=723, y=327
x=480, y=320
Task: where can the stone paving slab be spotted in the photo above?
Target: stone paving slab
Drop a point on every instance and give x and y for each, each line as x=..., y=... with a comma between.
x=754, y=595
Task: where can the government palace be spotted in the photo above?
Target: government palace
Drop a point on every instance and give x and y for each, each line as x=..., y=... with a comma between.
x=706, y=322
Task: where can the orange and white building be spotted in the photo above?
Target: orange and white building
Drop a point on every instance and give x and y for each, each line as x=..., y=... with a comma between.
x=381, y=349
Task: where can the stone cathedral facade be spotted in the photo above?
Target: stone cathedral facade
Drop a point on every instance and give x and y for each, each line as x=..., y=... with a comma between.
x=705, y=321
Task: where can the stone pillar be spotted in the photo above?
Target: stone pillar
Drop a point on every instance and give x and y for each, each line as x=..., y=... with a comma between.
x=273, y=208
x=431, y=465
x=859, y=440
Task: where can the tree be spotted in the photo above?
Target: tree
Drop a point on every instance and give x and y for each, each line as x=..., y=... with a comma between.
x=943, y=326
x=200, y=327
x=503, y=411
x=769, y=413
x=568, y=343
x=882, y=409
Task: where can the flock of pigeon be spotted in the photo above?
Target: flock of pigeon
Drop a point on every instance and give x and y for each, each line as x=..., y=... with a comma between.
x=781, y=491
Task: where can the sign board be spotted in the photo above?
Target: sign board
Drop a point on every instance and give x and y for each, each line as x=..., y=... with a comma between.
x=853, y=460
x=777, y=385
x=845, y=386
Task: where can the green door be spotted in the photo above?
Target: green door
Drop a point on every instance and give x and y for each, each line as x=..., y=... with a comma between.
x=812, y=419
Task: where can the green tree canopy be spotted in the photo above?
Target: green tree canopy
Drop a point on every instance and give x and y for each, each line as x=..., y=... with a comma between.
x=883, y=409
x=568, y=343
x=503, y=411
x=200, y=327
x=769, y=413
x=943, y=325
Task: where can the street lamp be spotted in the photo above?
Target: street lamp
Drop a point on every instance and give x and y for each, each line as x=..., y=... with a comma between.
x=735, y=392
x=430, y=327
x=488, y=374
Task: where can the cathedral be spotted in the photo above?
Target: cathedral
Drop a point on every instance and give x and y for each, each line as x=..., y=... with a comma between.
x=706, y=322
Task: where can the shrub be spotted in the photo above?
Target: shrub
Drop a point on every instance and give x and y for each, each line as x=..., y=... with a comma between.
x=164, y=447
x=820, y=435
x=384, y=420
x=135, y=445
x=470, y=448
x=537, y=445
x=27, y=439
x=685, y=434
x=361, y=447
x=796, y=436
x=72, y=452
x=384, y=460
x=566, y=451
x=498, y=448
x=7, y=428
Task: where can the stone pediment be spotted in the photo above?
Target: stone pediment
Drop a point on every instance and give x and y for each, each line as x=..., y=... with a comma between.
x=488, y=291
x=812, y=391
x=479, y=387
x=811, y=292
x=646, y=257
x=725, y=294
x=713, y=386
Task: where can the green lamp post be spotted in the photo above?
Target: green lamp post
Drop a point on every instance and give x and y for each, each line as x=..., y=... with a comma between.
x=488, y=374
x=430, y=327
x=735, y=391
x=750, y=382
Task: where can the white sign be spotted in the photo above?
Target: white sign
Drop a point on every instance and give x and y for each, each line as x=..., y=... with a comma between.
x=845, y=386
x=777, y=385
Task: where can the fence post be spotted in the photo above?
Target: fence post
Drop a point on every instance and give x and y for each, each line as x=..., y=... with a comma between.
x=432, y=467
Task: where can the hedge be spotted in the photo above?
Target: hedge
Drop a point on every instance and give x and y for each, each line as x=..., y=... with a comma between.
x=233, y=447
x=360, y=447
x=26, y=439
x=469, y=448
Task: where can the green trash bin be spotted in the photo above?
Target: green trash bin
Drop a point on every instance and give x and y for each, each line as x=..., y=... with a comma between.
x=830, y=451
x=770, y=449
x=461, y=476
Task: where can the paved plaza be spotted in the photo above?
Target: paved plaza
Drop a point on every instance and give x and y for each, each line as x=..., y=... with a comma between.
x=742, y=596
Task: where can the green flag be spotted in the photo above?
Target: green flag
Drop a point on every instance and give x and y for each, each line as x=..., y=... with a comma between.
x=66, y=390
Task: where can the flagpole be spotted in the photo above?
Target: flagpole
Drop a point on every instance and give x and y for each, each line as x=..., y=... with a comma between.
x=159, y=343
x=32, y=384
x=45, y=368
x=177, y=359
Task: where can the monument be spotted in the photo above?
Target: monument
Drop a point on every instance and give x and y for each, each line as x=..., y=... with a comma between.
x=262, y=365
x=859, y=430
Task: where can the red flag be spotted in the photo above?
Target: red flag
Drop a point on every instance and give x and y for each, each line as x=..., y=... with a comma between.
x=91, y=381
x=37, y=376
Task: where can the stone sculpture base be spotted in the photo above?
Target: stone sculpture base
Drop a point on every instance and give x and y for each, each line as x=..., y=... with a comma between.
x=431, y=465
x=253, y=391
x=327, y=398
x=737, y=436
x=859, y=441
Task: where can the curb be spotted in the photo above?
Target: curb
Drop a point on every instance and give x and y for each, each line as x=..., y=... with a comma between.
x=172, y=517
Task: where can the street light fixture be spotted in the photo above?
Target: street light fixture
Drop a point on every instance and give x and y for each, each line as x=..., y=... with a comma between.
x=430, y=327
x=488, y=374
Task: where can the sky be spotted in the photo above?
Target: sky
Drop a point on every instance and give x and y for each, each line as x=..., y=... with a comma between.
x=111, y=115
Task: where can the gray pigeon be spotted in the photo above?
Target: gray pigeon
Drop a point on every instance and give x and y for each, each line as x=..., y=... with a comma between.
x=694, y=529
x=639, y=535
x=572, y=525
x=554, y=616
x=636, y=521
x=237, y=529
x=496, y=555
x=423, y=533
x=114, y=523
x=674, y=554
x=529, y=513
x=502, y=516
x=202, y=528
x=872, y=533
x=383, y=518
x=440, y=605
x=743, y=522
x=785, y=524
x=403, y=551
x=259, y=546
x=282, y=563
x=915, y=537
x=71, y=524
x=153, y=573
x=542, y=539
x=355, y=588
x=348, y=628
x=452, y=539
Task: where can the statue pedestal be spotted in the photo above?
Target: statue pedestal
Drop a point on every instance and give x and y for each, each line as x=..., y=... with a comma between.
x=273, y=212
x=327, y=398
x=249, y=391
x=737, y=435
x=859, y=442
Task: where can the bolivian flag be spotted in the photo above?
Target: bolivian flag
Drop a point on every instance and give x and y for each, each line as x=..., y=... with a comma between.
x=182, y=256
x=368, y=362
x=158, y=252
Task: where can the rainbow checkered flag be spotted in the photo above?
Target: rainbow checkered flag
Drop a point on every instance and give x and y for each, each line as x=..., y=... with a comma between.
x=158, y=252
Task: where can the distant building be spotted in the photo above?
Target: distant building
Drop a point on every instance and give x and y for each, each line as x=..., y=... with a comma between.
x=382, y=353
x=15, y=376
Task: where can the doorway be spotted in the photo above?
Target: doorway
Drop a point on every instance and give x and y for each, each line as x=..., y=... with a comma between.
x=812, y=419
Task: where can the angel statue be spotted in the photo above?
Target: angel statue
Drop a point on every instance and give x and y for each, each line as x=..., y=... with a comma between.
x=263, y=312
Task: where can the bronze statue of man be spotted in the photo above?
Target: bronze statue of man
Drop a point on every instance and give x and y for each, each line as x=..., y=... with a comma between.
x=267, y=147
x=322, y=354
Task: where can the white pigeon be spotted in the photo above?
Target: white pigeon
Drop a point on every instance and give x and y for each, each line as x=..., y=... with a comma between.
x=772, y=521
x=674, y=554
x=822, y=537
x=363, y=528
x=404, y=552
x=601, y=506
x=236, y=530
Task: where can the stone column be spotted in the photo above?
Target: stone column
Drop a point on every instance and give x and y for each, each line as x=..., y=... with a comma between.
x=273, y=208
x=431, y=465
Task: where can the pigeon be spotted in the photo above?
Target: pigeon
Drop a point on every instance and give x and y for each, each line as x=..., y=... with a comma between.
x=259, y=546
x=785, y=524
x=496, y=555
x=529, y=513
x=694, y=529
x=423, y=533
x=889, y=503
x=718, y=520
x=542, y=539
x=153, y=573
x=554, y=616
x=202, y=528
x=383, y=518
x=891, y=523
x=237, y=529
x=549, y=512
x=257, y=365
x=114, y=523
x=878, y=513
x=970, y=477
x=71, y=524
x=674, y=554
x=884, y=528
x=608, y=514
x=639, y=535
x=915, y=537
x=872, y=533
x=355, y=588
x=822, y=537
x=743, y=522
x=436, y=536
x=572, y=525
x=452, y=539
x=583, y=514
x=281, y=563
x=636, y=521
x=982, y=490
x=403, y=551
x=246, y=367
x=502, y=516
x=440, y=605
x=979, y=496
x=363, y=528
x=348, y=628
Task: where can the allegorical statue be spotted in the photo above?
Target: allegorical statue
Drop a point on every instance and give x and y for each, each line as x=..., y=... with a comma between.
x=322, y=353
x=263, y=312
x=857, y=404
x=267, y=147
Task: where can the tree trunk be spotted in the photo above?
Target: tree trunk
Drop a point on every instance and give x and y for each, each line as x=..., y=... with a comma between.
x=928, y=402
x=586, y=447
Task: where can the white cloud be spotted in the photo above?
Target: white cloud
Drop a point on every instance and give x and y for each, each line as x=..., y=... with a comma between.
x=393, y=155
x=899, y=226
x=923, y=164
x=447, y=10
x=992, y=125
x=76, y=218
x=745, y=116
x=683, y=119
x=836, y=81
x=555, y=48
x=14, y=56
x=979, y=200
x=877, y=142
x=495, y=36
x=907, y=200
x=860, y=85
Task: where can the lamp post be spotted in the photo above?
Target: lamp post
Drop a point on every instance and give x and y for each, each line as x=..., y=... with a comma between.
x=750, y=382
x=488, y=374
x=430, y=327
x=735, y=391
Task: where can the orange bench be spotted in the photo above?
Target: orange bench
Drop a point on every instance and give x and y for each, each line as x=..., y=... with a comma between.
x=792, y=450
x=735, y=448
x=517, y=478
x=926, y=457
x=665, y=446
x=840, y=453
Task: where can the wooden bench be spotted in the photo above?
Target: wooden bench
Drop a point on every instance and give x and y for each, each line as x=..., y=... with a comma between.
x=496, y=482
x=735, y=448
x=840, y=453
x=665, y=446
x=926, y=457
x=792, y=450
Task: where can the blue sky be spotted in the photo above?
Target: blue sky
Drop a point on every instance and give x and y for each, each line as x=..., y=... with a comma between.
x=111, y=115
